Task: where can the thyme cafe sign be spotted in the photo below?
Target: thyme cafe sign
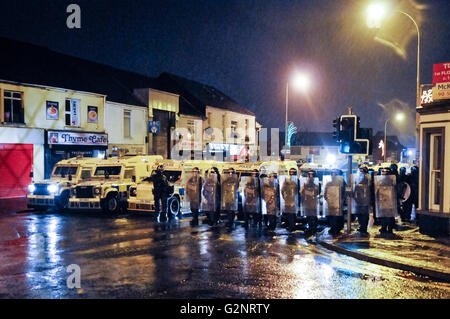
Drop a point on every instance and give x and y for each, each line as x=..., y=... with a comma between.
x=75, y=138
x=441, y=81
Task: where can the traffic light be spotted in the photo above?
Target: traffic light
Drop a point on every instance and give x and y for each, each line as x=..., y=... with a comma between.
x=347, y=133
x=336, y=133
x=352, y=142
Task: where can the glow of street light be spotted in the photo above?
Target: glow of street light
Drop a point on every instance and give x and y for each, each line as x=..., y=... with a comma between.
x=400, y=117
x=376, y=12
x=301, y=82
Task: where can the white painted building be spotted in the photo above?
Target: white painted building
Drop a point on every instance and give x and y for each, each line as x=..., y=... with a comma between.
x=126, y=126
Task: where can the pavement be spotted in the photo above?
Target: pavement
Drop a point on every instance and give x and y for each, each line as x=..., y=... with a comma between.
x=407, y=250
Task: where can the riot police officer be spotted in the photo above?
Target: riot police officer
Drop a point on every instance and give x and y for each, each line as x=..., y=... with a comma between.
x=386, y=201
x=361, y=199
x=229, y=186
x=334, y=197
x=251, y=198
x=289, y=194
x=269, y=199
x=309, y=199
x=160, y=192
x=193, y=194
x=209, y=197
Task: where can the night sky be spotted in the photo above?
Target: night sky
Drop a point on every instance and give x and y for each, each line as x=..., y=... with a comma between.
x=249, y=49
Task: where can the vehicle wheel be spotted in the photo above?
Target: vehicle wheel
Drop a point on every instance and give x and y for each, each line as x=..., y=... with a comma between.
x=174, y=206
x=63, y=201
x=111, y=205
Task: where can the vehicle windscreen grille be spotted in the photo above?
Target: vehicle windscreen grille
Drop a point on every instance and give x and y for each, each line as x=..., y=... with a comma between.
x=85, y=192
x=41, y=189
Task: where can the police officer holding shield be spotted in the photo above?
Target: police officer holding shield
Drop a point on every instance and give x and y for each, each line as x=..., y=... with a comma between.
x=251, y=198
x=386, y=201
x=193, y=194
x=309, y=199
x=289, y=194
x=361, y=198
x=334, y=198
x=209, y=197
x=229, y=186
x=269, y=199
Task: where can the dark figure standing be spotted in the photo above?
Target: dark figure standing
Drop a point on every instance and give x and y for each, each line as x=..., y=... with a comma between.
x=160, y=192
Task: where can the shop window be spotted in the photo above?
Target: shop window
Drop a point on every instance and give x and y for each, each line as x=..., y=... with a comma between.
x=13, y=107
x=127, y=123
x=72, y=112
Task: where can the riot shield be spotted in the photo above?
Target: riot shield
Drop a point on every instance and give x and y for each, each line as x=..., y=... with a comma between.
x=309, y=196
x=361, y=198
x=209, y=191
x=269, y=196
x=193, y=186
x=250, y=194
x=333, y=196
x=385, y=196
x=229, y=186
x=288, y=194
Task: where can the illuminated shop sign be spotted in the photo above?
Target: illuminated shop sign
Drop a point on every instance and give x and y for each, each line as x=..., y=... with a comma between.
x=75, y=138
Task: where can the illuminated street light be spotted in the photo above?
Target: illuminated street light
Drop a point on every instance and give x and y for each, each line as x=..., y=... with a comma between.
x=300, y=82
x=376, y=12
x=399, y=117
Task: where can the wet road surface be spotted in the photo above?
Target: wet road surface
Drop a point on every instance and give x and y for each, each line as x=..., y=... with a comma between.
x=134, y=256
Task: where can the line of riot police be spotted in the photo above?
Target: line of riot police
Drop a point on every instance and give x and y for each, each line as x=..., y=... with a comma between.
x=266, y=198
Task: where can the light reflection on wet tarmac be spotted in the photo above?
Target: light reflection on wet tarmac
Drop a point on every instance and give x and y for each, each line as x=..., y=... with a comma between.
x=135, y=257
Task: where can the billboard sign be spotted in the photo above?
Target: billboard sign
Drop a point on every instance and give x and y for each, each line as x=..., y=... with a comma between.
x=441, y=73
x=75, y=138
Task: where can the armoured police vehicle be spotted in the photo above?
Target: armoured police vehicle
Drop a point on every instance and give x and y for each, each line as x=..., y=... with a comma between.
x=54, y=193
x=107, y=188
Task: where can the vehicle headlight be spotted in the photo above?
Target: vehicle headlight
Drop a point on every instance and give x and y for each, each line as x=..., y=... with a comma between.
x=31, y=188
x=132, y=191
x=73, y=192
x=97, y=191
x=52, y=188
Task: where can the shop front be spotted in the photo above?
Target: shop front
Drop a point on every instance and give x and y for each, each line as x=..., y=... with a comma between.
x=66, y=144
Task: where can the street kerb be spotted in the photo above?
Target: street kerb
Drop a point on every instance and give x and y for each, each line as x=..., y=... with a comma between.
x=442, y=276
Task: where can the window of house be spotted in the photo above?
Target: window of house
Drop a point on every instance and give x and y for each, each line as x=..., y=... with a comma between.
x=246, y=125
x=127, y=123
x=234, y=125
x=13, y=109
x=72, y=112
